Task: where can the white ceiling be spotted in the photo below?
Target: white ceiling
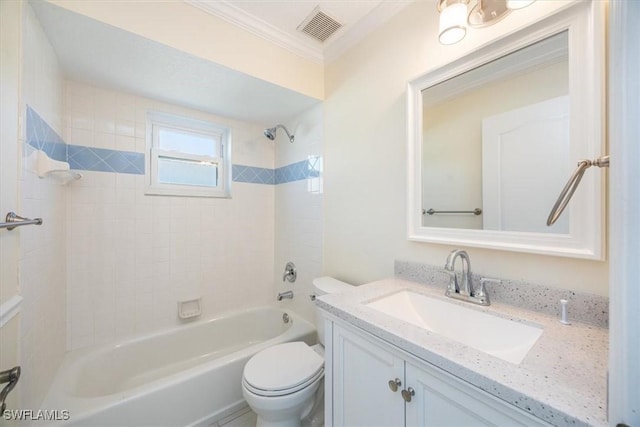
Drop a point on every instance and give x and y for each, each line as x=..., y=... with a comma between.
x=278, y=20
x=94, y=52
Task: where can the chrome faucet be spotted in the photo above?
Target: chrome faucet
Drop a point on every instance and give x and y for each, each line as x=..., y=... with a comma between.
x=466, y=272
x=467, y=293
x=284, y=295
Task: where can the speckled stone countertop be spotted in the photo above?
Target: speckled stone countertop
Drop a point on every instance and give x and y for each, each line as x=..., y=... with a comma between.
x=562, y=380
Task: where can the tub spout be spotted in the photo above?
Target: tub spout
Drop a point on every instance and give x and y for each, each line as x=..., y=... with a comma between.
x=285, y=295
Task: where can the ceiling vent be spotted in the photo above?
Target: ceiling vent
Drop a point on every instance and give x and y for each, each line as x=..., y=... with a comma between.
x=319, y=25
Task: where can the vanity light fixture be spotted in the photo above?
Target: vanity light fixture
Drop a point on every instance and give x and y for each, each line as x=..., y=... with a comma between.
x=456, y=15
x=518, y=4
x=453, y=21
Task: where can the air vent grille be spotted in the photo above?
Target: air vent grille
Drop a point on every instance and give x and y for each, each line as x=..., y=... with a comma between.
x=319, y=25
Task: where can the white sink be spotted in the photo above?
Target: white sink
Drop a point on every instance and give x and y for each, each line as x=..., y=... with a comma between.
x=499, y=337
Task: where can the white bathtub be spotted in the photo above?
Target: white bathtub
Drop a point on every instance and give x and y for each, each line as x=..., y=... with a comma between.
x=188, y=375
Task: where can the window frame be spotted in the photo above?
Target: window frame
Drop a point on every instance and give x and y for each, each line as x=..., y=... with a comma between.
x=222, y=134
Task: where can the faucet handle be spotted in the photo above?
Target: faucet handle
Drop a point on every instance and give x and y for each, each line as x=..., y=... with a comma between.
x=452, y=287
x=482, y=293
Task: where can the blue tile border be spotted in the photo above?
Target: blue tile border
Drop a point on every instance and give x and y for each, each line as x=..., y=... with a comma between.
x=103, y=160
x=254, y=175
x=42, y=137
x=304, y=169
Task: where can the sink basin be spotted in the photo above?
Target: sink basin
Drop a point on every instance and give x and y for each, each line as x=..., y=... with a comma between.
x=499, y=337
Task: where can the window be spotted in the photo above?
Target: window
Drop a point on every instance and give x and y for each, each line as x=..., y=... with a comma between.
x=187, y=157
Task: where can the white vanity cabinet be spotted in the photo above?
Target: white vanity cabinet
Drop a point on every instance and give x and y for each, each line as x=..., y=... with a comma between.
x=359, y=384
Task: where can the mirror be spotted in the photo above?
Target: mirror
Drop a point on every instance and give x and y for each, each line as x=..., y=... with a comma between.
x=494, y=136
x=486, y=133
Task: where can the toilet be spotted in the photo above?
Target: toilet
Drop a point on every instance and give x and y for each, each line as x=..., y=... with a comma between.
x=283, y=384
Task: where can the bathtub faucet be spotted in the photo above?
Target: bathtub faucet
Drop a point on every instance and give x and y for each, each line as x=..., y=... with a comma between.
x=285, y=295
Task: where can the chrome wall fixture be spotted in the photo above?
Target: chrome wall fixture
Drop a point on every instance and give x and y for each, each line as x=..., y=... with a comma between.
x=284, y=295
x=431, y=211
x=572, y=184
x=12, y=221
x=271, y=133
x=10, y=377
x=456, y=15
x=290, y=272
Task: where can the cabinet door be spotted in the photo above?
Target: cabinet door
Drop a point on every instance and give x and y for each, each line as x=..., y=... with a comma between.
x=443, y=400
x=361, y=374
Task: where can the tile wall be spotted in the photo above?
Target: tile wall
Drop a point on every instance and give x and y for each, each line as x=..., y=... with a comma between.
x=42, y=268
x=131, y=257
x=110, y=262
x=298, y=208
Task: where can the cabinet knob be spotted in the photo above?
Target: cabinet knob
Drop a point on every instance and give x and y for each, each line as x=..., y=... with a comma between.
x=394, y=384
x=406, y=394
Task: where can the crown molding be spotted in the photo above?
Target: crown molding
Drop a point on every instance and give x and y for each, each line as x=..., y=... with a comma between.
x=236, y=16
x=313, y=51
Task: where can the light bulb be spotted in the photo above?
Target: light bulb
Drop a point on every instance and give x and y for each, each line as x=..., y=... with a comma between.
x=453, y=20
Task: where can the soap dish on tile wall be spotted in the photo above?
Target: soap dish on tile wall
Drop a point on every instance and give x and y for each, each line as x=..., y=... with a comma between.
x=47, y=167
x=189, y=309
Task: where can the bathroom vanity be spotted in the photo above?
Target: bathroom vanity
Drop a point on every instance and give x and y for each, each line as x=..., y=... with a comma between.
x=385, y=370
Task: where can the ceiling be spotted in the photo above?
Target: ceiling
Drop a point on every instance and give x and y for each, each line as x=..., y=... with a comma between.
x=91, y=51
x=278, y=20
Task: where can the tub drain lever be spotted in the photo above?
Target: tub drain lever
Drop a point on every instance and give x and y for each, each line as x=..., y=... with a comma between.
x=10, y=376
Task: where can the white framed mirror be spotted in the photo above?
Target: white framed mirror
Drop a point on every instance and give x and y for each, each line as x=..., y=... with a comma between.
x=494, y=136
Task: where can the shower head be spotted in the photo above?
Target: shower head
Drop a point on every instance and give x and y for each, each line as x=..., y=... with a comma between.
x=271, y=133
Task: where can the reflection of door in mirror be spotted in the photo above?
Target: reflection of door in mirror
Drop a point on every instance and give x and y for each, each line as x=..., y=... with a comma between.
x=525, y=154
x=454, y=174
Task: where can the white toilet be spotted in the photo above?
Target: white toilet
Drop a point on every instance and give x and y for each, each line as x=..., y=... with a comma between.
x=283, y=384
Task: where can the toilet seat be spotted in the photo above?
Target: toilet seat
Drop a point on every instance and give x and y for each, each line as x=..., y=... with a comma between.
x=283, y=369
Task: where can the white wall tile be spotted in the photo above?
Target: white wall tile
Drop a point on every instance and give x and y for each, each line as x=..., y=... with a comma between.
x=298, y=215
x=152, y=251
x=42, y=266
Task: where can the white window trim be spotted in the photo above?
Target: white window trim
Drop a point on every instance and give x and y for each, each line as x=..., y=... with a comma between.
x=152, y=187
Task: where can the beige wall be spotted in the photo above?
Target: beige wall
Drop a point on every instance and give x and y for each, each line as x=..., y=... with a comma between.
x=10, y=17
x=365, y=157
x=189, y=29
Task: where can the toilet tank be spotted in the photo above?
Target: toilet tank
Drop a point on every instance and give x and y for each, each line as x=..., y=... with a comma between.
x=322, y=286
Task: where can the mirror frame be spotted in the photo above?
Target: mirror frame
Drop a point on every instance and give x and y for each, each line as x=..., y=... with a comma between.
x=585, y=23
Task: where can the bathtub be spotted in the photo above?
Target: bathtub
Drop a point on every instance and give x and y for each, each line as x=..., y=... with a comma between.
x=185, y=376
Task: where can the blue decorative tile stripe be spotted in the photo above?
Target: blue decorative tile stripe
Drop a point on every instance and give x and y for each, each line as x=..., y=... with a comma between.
x=103, y=160
x=297, y=171
x=254, y=175
x=42, y=137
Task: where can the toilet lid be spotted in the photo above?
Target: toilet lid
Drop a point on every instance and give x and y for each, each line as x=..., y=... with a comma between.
x=283, y=367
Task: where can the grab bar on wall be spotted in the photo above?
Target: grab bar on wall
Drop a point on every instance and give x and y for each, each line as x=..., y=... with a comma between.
x=572, y=184
x=476, y=211
x=13, y=221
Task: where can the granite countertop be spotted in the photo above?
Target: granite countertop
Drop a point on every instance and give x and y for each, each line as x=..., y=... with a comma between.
x=562, y=380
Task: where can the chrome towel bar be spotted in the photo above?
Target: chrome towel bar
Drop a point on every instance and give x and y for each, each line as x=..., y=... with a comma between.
x=12, y=221
x=476, y=211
